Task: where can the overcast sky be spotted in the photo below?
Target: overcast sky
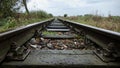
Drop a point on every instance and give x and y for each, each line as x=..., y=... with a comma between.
x=76, y=7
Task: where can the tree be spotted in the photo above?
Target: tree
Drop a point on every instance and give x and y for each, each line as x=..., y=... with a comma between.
x=25, y=4
x=50, y=15
x=7, y=7
x=65, y=15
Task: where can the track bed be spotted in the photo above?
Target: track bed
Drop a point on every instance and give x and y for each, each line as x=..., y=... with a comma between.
x=59, y=46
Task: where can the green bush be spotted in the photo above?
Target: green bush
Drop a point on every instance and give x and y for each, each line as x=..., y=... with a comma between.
x=11, y=23
x=22, y=19
x=40, y=14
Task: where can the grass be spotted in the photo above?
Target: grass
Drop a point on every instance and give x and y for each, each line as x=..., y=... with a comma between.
x=49, y=33
x=22, y=19
x=110, y=23
x=13, y=23
x=58, y=33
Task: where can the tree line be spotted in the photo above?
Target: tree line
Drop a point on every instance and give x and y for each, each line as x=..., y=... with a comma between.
x=10, y=8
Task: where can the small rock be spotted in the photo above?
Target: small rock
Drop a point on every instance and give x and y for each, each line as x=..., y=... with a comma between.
x=49, y=45
x=42, y=39
x=62, y=48
x=37, y=40
x=60, y=44
x=59, y=33
x=82, y=43
x=66, y=33
x=39, y=47
x=33, y=41
x=58, y=47
x=33, y=46
x=65, y=47
x=75, y=43
x=47, y=40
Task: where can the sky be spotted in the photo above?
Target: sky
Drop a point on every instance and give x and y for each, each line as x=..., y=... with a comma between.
x=76, y=7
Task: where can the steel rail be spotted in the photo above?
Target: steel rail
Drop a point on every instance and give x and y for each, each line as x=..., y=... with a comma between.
x=109, y=33
x=19, y=36
x=108, y=40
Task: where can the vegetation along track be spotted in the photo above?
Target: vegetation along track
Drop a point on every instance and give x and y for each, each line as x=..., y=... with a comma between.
x=59, y=43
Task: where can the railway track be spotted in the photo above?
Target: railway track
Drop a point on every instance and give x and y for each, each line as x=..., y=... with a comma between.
x=59, y=43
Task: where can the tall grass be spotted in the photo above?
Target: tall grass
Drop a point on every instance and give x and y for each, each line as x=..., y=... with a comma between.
x=110, y=22
x=22, y=19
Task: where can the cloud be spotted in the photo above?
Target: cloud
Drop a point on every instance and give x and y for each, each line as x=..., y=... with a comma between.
x=76, y=7
x=38, y=4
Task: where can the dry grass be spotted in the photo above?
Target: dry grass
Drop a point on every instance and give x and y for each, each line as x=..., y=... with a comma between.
x=110, y=23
